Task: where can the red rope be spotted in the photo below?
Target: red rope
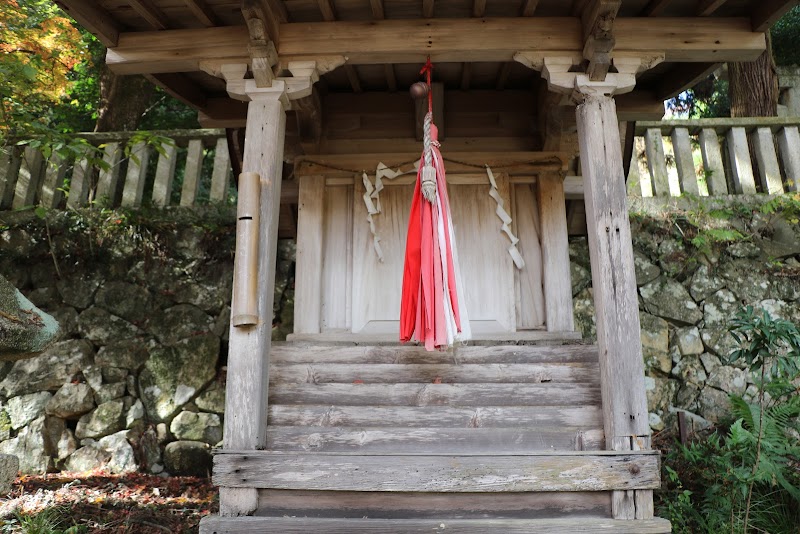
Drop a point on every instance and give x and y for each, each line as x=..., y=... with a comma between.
x=426, y=70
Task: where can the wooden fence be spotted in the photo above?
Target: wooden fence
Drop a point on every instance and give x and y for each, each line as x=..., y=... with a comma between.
x=716, y=157
x=194, y=163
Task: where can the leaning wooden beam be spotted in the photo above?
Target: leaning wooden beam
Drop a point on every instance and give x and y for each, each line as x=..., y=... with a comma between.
x=708, y=7
x=683, y=77
x=29, y=180
x=400, y=41
x=767, y=13
x=352, y=77
x=202, y=12
x=528, y=8
x=149, y=12
x=377, y=9
x=427, y=8
x=179, y=86
x=327, y=9
x=789, y=140
x=478, y=8
x=94, y=18
x=655, y=7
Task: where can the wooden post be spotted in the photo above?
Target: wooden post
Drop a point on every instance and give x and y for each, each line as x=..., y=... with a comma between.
x=29, y=179
x=134, y=179
x=108, y=184
x=79, y=184
x=769, y=172
x=555, y=254
x=712, y=162
x=192, y=172
x=614, y=284
x=165, y=175
x=789, y=140
x=656, y=162
x=221, y=175
x=9, y=170
x=53, y=181
x=741, y=167
x=248, y=355
x=684, y=161
x=308, y=277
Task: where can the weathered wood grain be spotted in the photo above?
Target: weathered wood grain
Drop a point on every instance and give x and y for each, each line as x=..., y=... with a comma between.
x=337, y=254
x=656, y=162
x=442, y=416
x=165, y=175
x=221, y=173
x=133, y=189
x=555, y=253
x=789, y=140
x=390, y=440
x=303, y=525
x=769, y=172
x=53, y=182
x=318, y=373
x=437, y=394
x=10, y=160
x=192, y=172
x=741, y=166
x=109, y=183
x=712, y=162
x=684, y=162
x=308, y=273
x=439, y=474
x=529, y=297
x=29, y=178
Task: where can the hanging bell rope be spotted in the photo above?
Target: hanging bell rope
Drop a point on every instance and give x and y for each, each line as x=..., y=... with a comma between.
x=428, y=170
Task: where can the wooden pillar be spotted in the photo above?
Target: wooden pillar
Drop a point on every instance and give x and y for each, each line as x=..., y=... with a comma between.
x=614, y=285
x=248, y=355
x=555, y=254
x=308, y=275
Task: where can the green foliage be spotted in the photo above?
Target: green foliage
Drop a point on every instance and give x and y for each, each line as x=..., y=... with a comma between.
x=785, y=36
x=48, y=521
x=745, y=479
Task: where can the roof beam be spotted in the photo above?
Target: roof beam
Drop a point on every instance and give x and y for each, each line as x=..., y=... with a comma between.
x=391, y=79
x=707, y=7
x=179, y=86
x=466, y=76
x=94, y=18
x=696, y=40
x=427, y=8
x=202, y=12
x=767, y=13
x=683, y=77
x=502, y=75
x=149, y=12
x=327, y=9
x=478, y=8
x=655, y=7
x=528, y=8
x=377, y=9
x=352, y=77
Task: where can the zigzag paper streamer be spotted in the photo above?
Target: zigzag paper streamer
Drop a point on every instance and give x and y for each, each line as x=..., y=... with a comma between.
x=372, y=199
x=503, y=215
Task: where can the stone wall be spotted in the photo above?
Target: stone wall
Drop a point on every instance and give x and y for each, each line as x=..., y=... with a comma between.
x=137, y=381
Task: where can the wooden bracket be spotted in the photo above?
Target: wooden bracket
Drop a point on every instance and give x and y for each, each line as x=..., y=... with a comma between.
x=598, y=37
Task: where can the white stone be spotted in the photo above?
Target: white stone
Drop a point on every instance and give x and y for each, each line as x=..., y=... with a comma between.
x=25, y=408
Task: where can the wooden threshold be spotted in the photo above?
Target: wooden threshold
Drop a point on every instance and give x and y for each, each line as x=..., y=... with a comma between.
x=303, y=525
x=520, y=336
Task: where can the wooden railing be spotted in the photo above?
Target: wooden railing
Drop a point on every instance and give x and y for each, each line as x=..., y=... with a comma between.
x=715, y=157
x=177, y=167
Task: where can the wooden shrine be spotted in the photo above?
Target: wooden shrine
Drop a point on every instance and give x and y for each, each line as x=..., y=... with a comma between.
x=341, y=429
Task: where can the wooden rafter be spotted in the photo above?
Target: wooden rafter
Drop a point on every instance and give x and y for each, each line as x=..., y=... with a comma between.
x=528, y=8
x=767, y=13
x=478, y=8
x=94, y=18
x=577, y=7
x=180, y=87
x=327, y=9
x=502, y=75
x=427, y=8
x=377, y=9
x=697, y=40
x=684, y=77
x=391, y=79
x=202, y=12
x=277, y=9
x=655, y=7
x=708, y=7
x=466, y=75
x=352, y=77
x=149, y=12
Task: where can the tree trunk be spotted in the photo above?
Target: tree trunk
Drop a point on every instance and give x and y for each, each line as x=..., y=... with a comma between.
x=753, y=86
x=123, y=101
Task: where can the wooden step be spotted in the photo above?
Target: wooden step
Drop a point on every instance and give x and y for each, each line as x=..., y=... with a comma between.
x=304, y=525
x=546, y=471
x=340, y=415
x=432, y=440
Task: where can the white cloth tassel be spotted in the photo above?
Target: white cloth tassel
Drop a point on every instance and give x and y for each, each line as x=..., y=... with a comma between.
x=505, y=218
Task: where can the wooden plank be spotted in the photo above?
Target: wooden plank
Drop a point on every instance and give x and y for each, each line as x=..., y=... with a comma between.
x=308, y=276
x=221, y=173
x=319, y=373
x=529, y=290
x=108, y=182
x=712, y=162
x=528, y=8
x=303, y=525
x=94, y=18
x=427, y=9
x=707, y=7
x=192, y=173
x=352, y=77
x=391, y=440
x=437, y=394
x=79, y=184
x=337, y=272
x=478, y=8
x=29, y=179
x=10, y=162
x=593, y=471
x=657, y=162
x=150, y=12
x=706, y=40
x=769, y=171
x=377, y=9
x=165, y=175
x=789, y=140
x=52, y=186
x=418, y=505
x=684, y=161
x=327, y=9
x=555, y=253
x=391, y=80
x=613, y=275
x=741, y=166
x=202, y=12
x=442, y=416
x=133, y=189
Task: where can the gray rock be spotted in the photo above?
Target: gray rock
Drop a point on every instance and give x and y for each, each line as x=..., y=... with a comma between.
x=190, y=458
x=108, y=392
x=718, y=341
x=778, y=309
x=784, y=288
x=655, y=343
x=112, y=375
x=710, y=362
x=667, y=298
x=719, y=309
x=135, y=413
x=67, y=444
x=579, y=251
x=222, y=324
x=645, y=270
x=35, y=445
x=125, y=354
x=656, y=423
x=212, y=399
x=191, y=426
x=174, y=375
x=9, y=467
x=688, y=340
x=101, y=327
x=77, y=291
x=783, y=241
x=583, y=313
x=71, y=400
x=714, y=404
x=705, y=283
x=123, y=459
x=25, y=330
x=660, y=392
x=690, y=370
x=104, y=420
x=180, y=322
x=728, y=379
x=150, y=450
x=747, y=279
x=67, y=319
x=88, y=458
x=687, y=397
x=94, y=376
x=207, y=297
x=744, y=249
x=128, y=301
x=580, y=277
x=672, y=256
x=25, y=408
x=695, y=422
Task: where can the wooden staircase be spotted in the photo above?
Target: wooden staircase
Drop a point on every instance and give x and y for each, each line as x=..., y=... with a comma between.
x=502, y=438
